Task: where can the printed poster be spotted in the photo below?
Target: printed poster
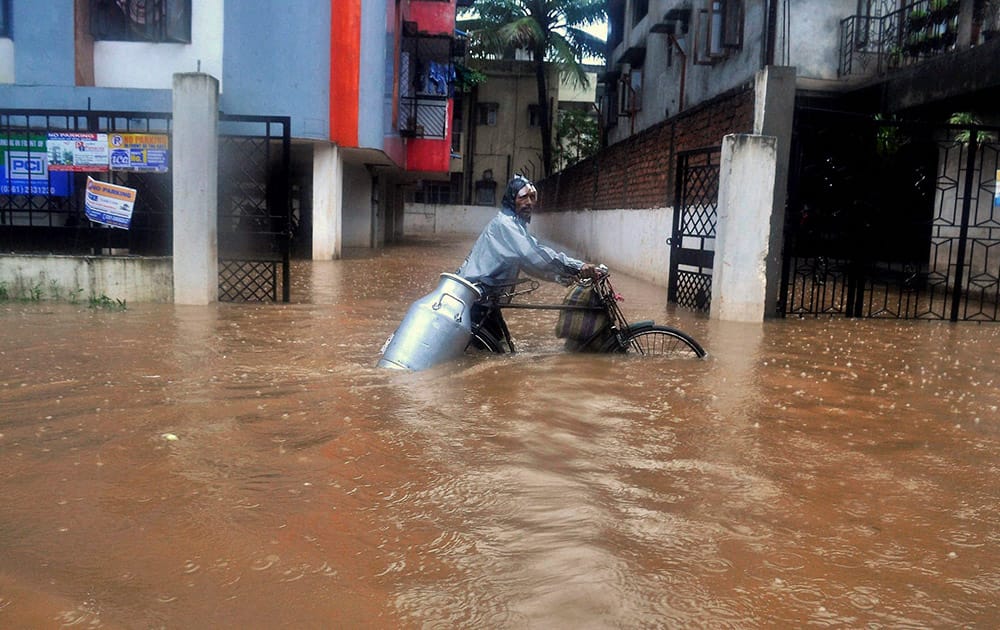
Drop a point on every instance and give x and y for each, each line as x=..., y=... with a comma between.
x=109, y=204
x=24, y=167
x=146, y=152
x=78, y=151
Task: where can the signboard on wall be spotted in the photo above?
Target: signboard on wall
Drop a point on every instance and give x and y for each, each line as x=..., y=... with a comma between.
x=78, y=151
x=145, y=152
x=109, y=204
x=24, y=167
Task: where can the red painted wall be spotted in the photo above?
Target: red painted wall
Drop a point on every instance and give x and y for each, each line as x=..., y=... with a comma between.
x=423, y=154
x=433, y=16
x=345, y=63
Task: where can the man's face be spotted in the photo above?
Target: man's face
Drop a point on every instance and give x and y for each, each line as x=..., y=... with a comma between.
x=524, y=201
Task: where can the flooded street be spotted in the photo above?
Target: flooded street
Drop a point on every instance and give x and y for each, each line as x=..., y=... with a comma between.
x=247, y=466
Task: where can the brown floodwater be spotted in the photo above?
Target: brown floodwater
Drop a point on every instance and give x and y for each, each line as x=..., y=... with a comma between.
x=248, y=466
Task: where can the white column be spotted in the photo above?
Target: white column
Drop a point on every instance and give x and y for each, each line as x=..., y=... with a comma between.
x=774, y=112
x=195, y=178
x=746, y=200
x=328, y=195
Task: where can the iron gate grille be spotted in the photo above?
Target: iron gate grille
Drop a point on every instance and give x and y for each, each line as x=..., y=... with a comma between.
x=692, y=244
x=254, y=208
x=892, y=219
x=42, y=208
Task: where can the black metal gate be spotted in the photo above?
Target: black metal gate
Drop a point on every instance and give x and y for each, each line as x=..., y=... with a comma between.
x=692, y=244
x=893, y=219
x=42, y=209
x=255, y=220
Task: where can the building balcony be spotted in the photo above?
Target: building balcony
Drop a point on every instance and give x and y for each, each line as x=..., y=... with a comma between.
x=879, y=45
x=423, y=116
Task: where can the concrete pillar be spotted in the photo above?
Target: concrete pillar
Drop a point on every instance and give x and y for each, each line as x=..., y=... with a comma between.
x=774, y=112
x=328, y=199
x=195, y=181
x=742, y=241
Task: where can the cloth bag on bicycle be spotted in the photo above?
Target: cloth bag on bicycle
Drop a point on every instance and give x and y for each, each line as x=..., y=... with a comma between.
x=581, y=325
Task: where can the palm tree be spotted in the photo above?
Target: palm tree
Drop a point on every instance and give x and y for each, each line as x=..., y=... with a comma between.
x=550, y=30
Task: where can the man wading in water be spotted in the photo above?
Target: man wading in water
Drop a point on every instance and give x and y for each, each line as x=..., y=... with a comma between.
x=505, y=247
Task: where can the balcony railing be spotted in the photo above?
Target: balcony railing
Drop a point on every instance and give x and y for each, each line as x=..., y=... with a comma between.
x=426, y=83
x=423, y=116
x=876, y=45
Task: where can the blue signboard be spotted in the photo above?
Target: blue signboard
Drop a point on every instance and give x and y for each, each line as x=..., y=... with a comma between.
x=24, y=168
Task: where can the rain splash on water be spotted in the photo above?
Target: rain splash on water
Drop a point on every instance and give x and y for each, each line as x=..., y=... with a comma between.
x=248, y=466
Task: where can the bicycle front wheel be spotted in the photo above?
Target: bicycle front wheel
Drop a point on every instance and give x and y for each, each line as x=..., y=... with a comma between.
x=662, y=341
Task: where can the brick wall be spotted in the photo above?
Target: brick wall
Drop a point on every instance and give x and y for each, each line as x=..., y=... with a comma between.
x=638, y=172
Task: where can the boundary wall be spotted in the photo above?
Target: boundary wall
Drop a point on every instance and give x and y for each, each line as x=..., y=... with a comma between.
x=617, y=208
x=132, y=279
x=432, y=218
x=640, y=171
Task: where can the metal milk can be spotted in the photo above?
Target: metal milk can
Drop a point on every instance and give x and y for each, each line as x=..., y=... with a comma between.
x=437, y=327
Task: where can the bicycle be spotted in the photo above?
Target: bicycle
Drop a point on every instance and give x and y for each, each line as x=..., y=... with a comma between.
x=615, y=335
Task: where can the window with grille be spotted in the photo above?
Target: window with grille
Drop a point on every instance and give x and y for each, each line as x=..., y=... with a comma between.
x=434, y=192
x=4, y=18
x=486, y=192
x=141, y=20
x=486, y=113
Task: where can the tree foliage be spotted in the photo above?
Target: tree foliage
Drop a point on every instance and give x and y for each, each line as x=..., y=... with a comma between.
x=551, y=31
x=578, y=137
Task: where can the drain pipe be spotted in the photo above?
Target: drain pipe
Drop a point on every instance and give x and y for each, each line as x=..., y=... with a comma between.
x=770, y=27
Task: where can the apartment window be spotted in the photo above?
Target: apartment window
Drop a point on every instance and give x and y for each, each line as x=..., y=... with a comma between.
x=434, y=193
x=486, y=189
x=639, y=10
x=719, y=30
x=486, y=113
x=732, y=24
x=141, y=20
x=4, y=18
x=609, y=109
x=630, y=92
x=534, y=116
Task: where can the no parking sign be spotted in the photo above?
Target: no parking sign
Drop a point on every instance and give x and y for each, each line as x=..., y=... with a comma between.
x=109, y=204
x=146, y=152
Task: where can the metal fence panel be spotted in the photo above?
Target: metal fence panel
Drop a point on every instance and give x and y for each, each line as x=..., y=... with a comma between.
x=892, y=219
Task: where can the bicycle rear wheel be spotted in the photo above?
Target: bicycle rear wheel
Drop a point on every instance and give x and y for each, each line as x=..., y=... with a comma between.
x=662, y=341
